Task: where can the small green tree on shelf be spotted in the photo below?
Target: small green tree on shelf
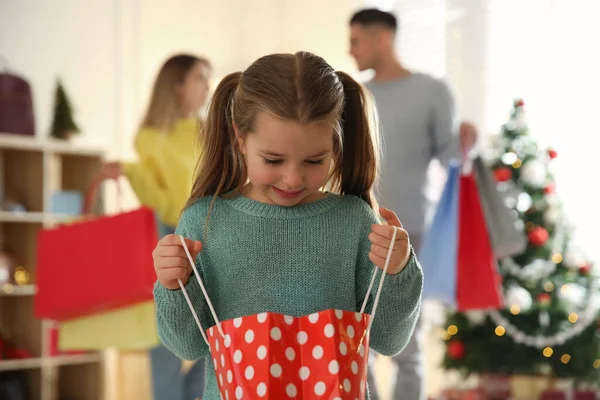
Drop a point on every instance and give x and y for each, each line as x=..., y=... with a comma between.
x=63, y=124
x=551, y=321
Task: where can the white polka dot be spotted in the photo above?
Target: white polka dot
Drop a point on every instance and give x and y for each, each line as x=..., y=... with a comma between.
x=291, y=390
x=339, y=314
x=261, y=353
x=229, y=376
x=318, y=352
x=237, y=356
x=329, y=330
x=361, y=350
x=237, y=322
x=211, y=332
x=347, y=385
x=227, y=341
x=334, y=367
x=320, y=389
x=261, y=390
x=262, y=317
x=217, y=344
x=239, y=392
x=290, y=354
x=226, y=395
x=337, y=398
x=249, y=372
x=276, y=370
x=304, y=373
x=222, y=360
x=343, y=348
x=350, y=331
x=302, y=337
x=249, y=336
x=313, y=318
x=362, y=386
x=216, y=363
x=221, y=379
x=354, y=367
x=288, y=319
x=275, y=333
x=358, y=317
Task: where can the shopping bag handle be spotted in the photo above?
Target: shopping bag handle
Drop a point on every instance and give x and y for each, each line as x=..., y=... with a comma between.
x=214, y=314
x=210, y=305
x=466, y=166
x=383, y=274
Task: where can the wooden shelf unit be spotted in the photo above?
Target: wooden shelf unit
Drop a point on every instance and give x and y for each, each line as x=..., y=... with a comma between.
x=31, y=169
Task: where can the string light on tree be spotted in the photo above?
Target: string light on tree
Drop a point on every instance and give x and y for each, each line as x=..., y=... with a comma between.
x=548, y=352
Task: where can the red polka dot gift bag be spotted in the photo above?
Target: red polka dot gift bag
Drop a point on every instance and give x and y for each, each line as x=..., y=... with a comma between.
x=275, y=356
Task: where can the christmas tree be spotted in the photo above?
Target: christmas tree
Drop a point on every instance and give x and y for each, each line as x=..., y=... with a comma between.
x=551, y=322
x=63, y=125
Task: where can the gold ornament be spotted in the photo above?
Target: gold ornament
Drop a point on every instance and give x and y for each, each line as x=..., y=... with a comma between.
x=21, y=276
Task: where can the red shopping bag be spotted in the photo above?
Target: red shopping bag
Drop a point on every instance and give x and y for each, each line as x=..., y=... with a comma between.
x=273, y=356
x=478, y=281
x=98, y=264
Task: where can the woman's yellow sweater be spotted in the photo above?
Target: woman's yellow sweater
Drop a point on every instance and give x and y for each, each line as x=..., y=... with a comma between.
x=162, y=178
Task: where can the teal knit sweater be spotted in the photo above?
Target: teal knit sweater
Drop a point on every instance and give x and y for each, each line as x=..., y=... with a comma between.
x=291, y=260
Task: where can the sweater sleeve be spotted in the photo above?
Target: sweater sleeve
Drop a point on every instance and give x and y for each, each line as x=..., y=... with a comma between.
x=177, y=328
x=399, y=302
x=443, y=127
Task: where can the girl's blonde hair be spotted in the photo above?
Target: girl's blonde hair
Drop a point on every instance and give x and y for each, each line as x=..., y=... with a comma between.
x=164, y=108
x=299, y=87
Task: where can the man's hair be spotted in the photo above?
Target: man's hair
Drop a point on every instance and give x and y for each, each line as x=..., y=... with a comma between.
x=374, y=16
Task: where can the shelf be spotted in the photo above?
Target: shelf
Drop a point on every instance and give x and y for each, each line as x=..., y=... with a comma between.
x=14, y=290
x=73, y=359
x=24, y=217
x=35, y=143
x=16, y=365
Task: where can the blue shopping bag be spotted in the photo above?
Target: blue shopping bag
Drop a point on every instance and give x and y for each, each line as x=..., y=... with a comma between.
x=439, y=251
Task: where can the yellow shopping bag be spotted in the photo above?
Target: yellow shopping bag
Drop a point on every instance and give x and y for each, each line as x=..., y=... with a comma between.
x=128, y=328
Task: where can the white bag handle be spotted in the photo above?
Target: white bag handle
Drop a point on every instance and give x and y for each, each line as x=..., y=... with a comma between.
x=214, y=314
x=383, y=274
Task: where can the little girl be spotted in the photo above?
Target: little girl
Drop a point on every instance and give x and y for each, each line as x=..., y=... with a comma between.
x=272, y=238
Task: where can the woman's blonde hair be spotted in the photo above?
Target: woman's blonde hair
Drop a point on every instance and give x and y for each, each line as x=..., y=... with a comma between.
x=165, y=108
x=299, y=87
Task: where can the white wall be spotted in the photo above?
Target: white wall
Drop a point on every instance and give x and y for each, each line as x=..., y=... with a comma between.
x=73, y=40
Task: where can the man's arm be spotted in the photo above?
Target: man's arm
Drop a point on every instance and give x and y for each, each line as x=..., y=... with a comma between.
x=443, y=127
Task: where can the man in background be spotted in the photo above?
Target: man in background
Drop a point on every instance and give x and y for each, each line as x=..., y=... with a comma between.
x=417, y=116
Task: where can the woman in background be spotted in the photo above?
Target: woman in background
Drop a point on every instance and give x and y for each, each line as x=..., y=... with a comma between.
x=167, y=147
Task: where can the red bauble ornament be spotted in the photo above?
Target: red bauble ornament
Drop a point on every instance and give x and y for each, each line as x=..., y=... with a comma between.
x=502, y=174
x=538, y=236
x=544, y=299
x=552, y=154
x=585, y=269
x=456, y=349
x=549, y=188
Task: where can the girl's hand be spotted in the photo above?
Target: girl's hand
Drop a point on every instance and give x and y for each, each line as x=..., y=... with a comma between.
x=171, y=262
x=381, y=236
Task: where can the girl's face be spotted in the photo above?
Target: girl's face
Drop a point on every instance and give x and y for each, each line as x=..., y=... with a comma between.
x=287, y=163
x=194, y=89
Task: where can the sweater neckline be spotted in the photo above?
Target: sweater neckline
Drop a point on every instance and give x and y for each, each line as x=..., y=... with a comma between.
x=258, y=209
